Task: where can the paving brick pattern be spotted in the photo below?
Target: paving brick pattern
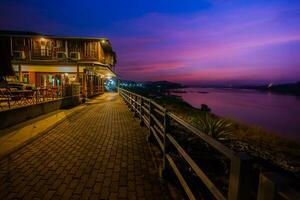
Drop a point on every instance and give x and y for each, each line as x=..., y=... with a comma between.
x=99, y=153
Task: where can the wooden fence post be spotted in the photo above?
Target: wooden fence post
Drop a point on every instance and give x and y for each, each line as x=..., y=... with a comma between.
x=150, y=121
x=266, y=188
x=130, y=101
x=239, y=184
x=141, y=111
x=165, y=149
x=135, y=105
x=274, y=186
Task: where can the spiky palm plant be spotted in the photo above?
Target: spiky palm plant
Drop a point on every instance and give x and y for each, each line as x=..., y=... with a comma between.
x=217, y=128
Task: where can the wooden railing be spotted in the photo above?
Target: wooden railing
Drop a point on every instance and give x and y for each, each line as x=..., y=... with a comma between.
x=42, y=54
x=239, y=185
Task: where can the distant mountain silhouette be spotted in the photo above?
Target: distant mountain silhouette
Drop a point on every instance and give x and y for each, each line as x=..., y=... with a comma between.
x=290, y=88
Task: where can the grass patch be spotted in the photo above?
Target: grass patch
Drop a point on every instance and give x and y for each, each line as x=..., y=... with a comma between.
x=267, y=141
x=257, y=142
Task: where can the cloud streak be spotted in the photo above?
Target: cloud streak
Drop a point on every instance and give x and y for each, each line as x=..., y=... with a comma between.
x=195, y=42
x=214, y=44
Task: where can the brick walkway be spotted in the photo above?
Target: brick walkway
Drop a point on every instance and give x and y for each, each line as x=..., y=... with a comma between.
x=99, y=153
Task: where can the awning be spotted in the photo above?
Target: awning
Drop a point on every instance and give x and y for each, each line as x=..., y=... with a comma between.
x=104, y=71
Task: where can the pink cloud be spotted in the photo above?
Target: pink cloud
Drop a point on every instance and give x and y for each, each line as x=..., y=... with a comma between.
x=212, y=45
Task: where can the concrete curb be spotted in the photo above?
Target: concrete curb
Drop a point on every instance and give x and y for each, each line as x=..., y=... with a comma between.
x=42, y=133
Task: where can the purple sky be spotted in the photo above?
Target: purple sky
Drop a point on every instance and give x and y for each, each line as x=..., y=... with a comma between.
x=209, y=42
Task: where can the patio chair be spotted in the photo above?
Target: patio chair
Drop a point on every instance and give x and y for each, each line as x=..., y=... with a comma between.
x=30, y=97
x=4, y=98
x=16, y=98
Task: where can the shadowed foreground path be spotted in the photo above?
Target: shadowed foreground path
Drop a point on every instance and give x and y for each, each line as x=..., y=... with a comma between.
x=99, y=153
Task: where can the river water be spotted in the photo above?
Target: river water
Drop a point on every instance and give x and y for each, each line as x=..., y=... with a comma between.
x=277, y=113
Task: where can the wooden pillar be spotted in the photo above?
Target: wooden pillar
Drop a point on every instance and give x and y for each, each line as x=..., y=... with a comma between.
x=84, y=84
x=91, y=82
x=103, y=85
x=30, y=48
x=11, y=46
x=66, y=48
x=20, y=74
x=99, y=84
x=78, y=75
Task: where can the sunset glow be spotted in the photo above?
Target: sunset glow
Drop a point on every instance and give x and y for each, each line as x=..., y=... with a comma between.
x=209, y=42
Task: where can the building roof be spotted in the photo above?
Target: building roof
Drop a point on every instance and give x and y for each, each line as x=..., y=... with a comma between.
x=12, y=33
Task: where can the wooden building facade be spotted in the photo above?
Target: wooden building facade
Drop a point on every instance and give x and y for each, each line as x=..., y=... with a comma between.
x=53, y=61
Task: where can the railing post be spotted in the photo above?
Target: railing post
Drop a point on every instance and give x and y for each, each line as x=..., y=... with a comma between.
x=135, y=106
x=130, y=101
x=239, y=183
x=266, y=188
x=274, y=186
x=165, y=143
x=150, y=120
x=141, y=111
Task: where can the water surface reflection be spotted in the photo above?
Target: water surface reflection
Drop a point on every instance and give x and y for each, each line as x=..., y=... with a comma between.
x=277, y=113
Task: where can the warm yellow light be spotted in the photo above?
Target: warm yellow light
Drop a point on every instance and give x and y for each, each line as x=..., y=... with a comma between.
x=103, y=41
x=42, y=39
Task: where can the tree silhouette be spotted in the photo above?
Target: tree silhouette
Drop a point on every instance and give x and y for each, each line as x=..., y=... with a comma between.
x=6, y=68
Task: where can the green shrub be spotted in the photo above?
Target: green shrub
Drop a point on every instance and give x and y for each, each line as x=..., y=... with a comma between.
x=217, y=128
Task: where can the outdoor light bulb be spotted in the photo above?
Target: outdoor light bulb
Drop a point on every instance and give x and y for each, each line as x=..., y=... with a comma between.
x=42, y=39
x=103, y=41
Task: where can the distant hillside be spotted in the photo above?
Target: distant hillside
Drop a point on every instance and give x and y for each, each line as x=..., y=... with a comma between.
x=164, y=84
x=150, y=88
x=291, y=88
